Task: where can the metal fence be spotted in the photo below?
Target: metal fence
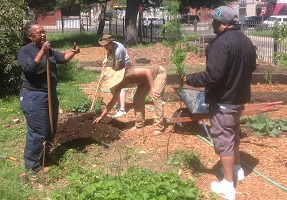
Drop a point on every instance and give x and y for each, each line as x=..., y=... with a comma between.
x=113, y=26
x=267, y=46
x=262, y=38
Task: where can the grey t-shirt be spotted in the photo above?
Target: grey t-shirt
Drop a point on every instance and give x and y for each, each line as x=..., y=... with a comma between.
x=120, y=54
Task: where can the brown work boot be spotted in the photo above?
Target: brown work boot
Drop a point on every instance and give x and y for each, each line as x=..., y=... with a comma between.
x=43, y=170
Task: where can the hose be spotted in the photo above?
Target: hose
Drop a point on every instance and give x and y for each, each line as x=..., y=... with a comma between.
x=249, y=167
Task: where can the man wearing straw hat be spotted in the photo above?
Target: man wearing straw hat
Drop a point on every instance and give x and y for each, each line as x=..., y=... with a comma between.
x=121, y=59
x=148, y=79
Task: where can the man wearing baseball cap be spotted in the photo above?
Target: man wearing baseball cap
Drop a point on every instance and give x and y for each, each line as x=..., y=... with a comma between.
x=230, y=61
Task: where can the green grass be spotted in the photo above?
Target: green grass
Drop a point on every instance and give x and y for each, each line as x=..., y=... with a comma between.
x=263, y=33
x=69, y=85
x=65, y=41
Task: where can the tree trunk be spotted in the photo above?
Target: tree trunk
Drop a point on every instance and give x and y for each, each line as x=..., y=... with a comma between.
x=131, y=21
x=102, y=19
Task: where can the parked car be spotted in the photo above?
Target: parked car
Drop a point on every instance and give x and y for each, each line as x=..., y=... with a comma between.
x=108, y=17
x=252, y=21
x=152, y=21
x=270, y=22
x=193, y=19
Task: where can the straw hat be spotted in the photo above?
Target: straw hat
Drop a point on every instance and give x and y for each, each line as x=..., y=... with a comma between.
x=111, y=77
x=105, y=39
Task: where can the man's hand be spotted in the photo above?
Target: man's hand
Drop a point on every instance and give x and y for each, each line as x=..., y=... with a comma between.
x=183, y=79
x=46, y=46
x=154, y=94
x=105, y=61
x=98, y=119
x=75, y=49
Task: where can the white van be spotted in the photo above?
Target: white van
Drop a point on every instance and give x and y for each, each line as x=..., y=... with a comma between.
x=270, y=22
x=157, y=22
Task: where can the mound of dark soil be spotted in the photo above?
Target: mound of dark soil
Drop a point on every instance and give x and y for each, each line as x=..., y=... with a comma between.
x=73, y=128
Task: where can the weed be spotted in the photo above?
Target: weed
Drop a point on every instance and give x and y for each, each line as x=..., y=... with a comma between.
x=148, y=99
x=268, y=75
x=187, y=159
x=84, y=107
x=265, y=127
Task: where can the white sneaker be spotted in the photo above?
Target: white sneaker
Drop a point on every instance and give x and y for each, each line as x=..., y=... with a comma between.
x=120, y=113
x=238, y=174
x=223, y=190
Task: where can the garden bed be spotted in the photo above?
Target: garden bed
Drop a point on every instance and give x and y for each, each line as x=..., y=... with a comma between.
x=267, y=156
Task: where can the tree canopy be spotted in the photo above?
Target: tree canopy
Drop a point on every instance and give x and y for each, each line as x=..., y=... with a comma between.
x=185, y=4
x=11, y=21
x=132, y=8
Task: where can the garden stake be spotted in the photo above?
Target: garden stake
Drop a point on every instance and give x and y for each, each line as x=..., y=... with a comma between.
x=99, y=82
x=49, y=95
x=170, y=135
x=144, y=135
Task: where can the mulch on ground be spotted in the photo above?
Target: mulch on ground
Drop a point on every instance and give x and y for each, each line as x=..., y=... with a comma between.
x=263, y=158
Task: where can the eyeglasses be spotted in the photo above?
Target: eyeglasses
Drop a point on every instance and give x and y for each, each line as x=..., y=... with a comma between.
x=40, y=33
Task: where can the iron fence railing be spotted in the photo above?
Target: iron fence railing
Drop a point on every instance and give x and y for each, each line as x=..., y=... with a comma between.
x=266, y=45
x=114, y=26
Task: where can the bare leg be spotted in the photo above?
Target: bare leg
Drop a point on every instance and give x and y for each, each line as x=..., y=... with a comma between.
x=236, y=154
x=123, y=100
x=227, y=164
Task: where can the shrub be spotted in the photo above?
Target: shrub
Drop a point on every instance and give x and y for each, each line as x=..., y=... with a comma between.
x=11, y=21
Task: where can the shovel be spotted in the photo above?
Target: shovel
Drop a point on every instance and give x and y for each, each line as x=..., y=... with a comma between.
x=96, y=92
x=49, y=96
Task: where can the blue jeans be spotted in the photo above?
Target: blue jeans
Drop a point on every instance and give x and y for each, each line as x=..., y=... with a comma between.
x=34, y=105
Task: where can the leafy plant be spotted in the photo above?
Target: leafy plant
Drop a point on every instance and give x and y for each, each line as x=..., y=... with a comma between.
x=281, y=59
x=11, y=21
x=148, y=99
x=186, y=158
x=137, y=183
x=280, y=35
x=84, y=107
x=178, y=55
x=268, y=75
x=172, y=29
x=265, y=127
